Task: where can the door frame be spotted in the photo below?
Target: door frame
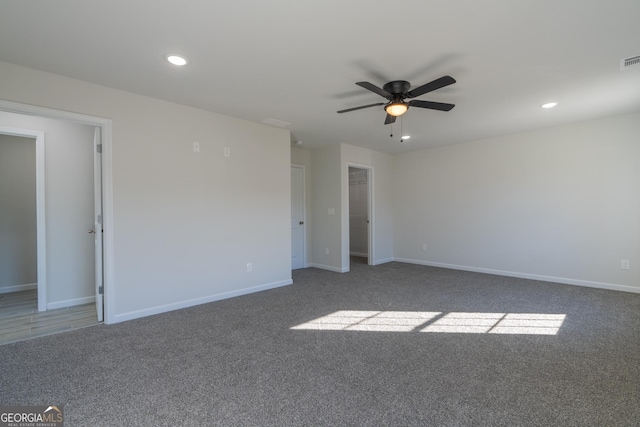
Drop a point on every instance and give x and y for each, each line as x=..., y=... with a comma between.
x=370, y=212
x=105, y=126
x=97, y=221
x=304, y=213
x=41, y=235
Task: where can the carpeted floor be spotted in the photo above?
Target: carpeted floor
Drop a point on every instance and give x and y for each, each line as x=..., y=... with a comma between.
x=420, y=346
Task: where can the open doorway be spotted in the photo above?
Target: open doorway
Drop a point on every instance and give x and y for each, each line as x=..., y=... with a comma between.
x=18, y=218
x=99, y=131
x=359, y=215
x=59, y=276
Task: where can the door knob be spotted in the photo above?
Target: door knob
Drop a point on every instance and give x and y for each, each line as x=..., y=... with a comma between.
x=91, y=231
x=301, y=222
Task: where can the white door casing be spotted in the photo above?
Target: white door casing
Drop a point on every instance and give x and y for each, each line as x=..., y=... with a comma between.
x=97, y=202
x=359, y=212
x=370, y=218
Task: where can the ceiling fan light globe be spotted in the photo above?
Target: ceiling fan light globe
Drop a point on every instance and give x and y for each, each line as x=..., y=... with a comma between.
x=396, y=109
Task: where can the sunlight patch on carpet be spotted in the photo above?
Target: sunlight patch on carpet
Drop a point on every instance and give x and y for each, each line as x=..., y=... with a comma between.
x=437, y=322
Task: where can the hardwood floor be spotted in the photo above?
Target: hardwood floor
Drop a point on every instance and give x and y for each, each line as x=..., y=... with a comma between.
x=20, y=319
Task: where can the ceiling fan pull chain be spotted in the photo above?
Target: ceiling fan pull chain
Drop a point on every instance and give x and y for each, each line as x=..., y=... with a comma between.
x=401, y=133
x=391, y=136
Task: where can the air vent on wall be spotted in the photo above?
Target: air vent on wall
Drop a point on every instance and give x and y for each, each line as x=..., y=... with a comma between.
x=276, y=122
x=628, y=63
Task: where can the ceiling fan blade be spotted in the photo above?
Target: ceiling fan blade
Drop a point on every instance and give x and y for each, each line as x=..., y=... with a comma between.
x=360, y=108
x=390, y=119
x=375, y=89
x=431, y=105
x=431, y=86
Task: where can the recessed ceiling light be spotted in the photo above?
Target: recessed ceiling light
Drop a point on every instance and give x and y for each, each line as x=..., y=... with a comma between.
x=549, y=105
x=406, y=136
x=177, y=60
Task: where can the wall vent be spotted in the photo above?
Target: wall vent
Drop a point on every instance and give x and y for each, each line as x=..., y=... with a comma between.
x=276, y=122
x=628, y=63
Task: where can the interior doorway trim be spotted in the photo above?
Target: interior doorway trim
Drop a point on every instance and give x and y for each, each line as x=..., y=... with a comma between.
x=107, y=188
x=41, y=235
x=370, y=210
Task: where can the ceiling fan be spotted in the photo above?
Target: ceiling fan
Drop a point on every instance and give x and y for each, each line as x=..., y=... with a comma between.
x=398, y=90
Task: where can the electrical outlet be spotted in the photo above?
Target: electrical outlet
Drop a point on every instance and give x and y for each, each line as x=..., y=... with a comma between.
x=624, y=264
x=249, y=267
x=326, y=251
x=424, y=247
x=227, y=151
x=196, y=147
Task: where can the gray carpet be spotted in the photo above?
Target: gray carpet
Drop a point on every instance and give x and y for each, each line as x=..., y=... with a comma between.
x=238, y=363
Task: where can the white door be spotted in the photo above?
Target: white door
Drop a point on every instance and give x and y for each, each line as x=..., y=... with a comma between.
x=297, y=217
x=97, y=200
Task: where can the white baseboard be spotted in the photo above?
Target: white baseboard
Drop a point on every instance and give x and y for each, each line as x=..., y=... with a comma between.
x=346, y=270
x=70, y=302
x=542, y=278
x=330, y=268
x=382, y=261
x=18, y=288
x=196, y=301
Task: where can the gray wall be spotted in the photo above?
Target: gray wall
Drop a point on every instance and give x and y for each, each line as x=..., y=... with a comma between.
x=326, y=207
x=560, y=204
x=330, y=190
x=185, y=224
x=18, y=246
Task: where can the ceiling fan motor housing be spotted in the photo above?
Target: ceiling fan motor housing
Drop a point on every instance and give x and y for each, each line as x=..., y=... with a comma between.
x=397, y=87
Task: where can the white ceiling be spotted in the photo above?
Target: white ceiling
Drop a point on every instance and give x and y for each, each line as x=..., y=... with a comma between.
x=298, y=60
